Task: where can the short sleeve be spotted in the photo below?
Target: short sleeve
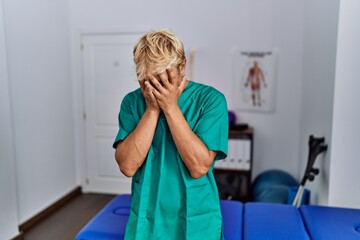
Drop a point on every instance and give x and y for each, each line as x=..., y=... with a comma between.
x=213, y=125
x=126, y=120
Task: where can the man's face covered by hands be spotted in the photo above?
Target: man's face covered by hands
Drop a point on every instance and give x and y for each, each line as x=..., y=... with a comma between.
x=173, y=74
x=162, y=90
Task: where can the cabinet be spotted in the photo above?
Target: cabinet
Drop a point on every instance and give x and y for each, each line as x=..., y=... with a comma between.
x=233, y=174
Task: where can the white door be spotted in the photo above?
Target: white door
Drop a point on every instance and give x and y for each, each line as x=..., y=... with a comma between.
x=109, y=74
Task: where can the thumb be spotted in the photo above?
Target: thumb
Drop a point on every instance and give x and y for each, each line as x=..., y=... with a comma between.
x=182, y=86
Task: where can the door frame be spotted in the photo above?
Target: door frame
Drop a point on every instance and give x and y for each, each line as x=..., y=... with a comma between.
x=79, y=96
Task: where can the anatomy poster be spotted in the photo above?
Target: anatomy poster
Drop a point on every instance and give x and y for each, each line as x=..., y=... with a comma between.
x=255, y=80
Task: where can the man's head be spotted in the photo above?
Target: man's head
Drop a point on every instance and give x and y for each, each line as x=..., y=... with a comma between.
x=157, y=51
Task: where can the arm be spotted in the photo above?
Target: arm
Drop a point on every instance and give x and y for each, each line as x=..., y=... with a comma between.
x=132, y=151
x=195, y=155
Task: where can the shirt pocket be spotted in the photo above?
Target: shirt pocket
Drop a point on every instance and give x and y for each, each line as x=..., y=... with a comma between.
x=199, y=198
x=203, y=218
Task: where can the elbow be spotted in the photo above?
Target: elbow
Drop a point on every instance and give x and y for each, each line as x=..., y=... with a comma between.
x=126, y=172
x=124, y=169
x=197, y=175
x=199, y=171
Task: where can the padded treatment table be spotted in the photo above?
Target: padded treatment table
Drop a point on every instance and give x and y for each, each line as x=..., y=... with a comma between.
x=110, y=222
x=331, y=223
x=249, y=221
x=232, y=213
x=273, y=221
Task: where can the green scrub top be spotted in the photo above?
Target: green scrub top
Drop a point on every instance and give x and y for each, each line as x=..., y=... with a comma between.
x=167, y=203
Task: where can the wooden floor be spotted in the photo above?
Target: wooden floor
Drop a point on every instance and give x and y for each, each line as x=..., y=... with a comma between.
x=65, y=223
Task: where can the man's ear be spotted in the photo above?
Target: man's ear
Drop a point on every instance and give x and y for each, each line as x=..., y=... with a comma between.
x=182, y=67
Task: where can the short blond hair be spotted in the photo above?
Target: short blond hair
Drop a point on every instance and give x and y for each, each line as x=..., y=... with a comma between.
x=156, y=51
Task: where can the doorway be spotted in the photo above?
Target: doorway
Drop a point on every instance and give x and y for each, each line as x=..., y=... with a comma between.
x=108, y=75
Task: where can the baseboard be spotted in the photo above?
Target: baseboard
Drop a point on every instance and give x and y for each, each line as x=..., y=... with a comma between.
x=20, y=236
x=49, y=210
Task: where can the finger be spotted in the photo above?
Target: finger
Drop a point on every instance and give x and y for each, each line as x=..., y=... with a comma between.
x=148, y=86
x=151, y=94
x=171, y=72
x=157, y=95
x=151, y=90
x=146, y=89
x=155, y=83
x=164, y=79
x=150, y=97
x=142, y=86
x=157, y=78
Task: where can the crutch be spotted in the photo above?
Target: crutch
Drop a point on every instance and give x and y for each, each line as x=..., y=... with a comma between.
x=316, y=146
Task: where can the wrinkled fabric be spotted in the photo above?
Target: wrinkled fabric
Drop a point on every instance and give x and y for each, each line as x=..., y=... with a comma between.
x=167, y=203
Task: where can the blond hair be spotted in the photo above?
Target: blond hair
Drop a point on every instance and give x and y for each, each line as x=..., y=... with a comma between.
x=156, y=51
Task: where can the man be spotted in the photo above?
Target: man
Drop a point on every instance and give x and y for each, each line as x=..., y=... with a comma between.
x=170, y=132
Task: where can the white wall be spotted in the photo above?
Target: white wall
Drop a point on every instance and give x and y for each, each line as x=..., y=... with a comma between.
x=8, y=200
x=37, y=37
x=320, y=34
x=345, y=160
x=215, y=28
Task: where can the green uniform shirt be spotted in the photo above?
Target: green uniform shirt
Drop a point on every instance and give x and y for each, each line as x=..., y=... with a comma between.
x=167, y=203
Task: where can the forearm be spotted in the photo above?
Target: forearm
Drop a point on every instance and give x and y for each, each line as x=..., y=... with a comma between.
x=132, y=151
x=193, y=152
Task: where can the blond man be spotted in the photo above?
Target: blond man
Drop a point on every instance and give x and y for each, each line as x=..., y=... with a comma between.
x=171, y=130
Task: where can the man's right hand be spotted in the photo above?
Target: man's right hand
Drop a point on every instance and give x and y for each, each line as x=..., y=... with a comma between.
x=149, y=96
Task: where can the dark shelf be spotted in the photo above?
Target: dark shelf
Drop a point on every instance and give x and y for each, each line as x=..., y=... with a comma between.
x=236, y=184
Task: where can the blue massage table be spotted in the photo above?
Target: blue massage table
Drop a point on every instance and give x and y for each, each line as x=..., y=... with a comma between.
x=247, y=221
